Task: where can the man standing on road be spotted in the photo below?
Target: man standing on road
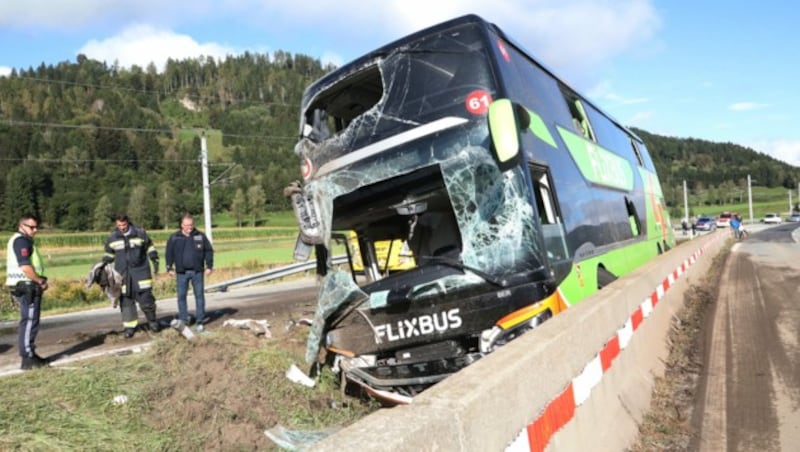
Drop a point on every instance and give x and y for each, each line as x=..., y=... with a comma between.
x=735, y=223
x=190, y=257
x=129, y=247
x=26, y=282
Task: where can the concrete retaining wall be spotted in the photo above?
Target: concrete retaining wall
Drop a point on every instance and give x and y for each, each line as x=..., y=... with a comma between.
x=581, y=381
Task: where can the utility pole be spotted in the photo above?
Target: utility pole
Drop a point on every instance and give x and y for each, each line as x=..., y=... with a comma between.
x=206, y=188
x=685, y=204
x=750, y=197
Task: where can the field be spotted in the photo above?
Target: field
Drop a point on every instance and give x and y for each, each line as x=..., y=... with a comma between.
x=237, y=252
x=765, y=200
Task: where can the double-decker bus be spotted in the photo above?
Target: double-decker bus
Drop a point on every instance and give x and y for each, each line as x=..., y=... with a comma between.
x=517, y=197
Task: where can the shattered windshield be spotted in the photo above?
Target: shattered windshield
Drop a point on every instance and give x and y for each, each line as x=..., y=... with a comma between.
x=413, y=84
x=396, y=146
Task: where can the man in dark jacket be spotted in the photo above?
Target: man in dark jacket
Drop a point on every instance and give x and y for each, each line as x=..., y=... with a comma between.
x=190, y=257
x=129, y=247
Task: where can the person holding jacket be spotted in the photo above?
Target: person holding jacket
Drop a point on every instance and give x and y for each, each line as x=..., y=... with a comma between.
x=26, y=281
x=190, y=258
x=129, y=247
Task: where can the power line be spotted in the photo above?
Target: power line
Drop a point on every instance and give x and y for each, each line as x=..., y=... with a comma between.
x=152, y=92
x=73, y=161
x=123, y=161
x=16, y=123
x=12, y=122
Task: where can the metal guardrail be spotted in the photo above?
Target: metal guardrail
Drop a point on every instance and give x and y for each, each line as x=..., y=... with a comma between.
x=275, y=273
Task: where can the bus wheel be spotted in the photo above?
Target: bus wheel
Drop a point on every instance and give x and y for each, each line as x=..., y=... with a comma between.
x=604, y=277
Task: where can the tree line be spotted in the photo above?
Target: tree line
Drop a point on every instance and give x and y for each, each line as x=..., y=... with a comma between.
x=716, y=171
x=82, y=140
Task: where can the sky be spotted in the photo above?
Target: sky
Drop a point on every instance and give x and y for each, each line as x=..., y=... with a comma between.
x=716, y=70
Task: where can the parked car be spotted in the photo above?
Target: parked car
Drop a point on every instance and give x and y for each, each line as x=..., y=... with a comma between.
x=724, y=220
x=772, y=218
x=705, y=224
x=794, y=218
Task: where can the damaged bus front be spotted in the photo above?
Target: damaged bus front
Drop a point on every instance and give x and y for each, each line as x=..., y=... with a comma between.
x=396, y=146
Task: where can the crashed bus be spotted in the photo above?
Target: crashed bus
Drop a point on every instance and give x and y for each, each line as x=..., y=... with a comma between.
x=517, y=197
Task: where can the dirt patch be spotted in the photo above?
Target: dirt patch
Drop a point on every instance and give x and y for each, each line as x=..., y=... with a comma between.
x=223, y=389
x=669, y=425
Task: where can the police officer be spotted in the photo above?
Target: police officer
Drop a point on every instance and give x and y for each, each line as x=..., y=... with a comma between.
x=128, y=247
x=25, y=279
x=190, y=258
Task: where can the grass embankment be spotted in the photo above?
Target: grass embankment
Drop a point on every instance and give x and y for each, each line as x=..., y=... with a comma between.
x=220, y=391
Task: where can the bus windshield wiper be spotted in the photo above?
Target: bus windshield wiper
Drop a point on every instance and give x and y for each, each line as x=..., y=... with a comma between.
x=450, y=262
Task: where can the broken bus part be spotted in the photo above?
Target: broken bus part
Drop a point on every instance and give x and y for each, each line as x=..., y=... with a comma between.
x=516, y=197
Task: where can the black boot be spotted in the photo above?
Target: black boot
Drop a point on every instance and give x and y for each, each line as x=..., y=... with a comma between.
x=129, y=332
x=152, y=321
x=30, y=362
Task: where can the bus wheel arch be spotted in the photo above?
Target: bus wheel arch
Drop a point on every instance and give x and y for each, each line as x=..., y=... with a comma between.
x=604, y=276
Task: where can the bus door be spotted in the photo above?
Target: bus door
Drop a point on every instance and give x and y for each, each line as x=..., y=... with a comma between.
x=553, y=231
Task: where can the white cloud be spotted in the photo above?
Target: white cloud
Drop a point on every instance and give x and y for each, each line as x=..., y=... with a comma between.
x=605, y=92
x=572, y=36
x=143, y=44
x=640, y=118
x=74, y=14
x=4, y=70
x=746, y=106
x=785, y=150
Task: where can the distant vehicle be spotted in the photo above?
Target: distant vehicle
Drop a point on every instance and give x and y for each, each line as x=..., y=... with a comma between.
x=705, y=224
x=772, y=218
x=724, y=220
x=794, y=218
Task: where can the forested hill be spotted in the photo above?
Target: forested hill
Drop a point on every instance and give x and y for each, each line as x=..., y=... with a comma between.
x=82, y=140
x=719, y=168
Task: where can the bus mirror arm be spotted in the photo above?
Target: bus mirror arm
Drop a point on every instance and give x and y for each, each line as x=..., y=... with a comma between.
x=523, y=117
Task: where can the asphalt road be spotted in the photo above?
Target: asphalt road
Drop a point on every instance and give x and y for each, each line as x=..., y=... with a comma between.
x=69, y=337
x=750, y=390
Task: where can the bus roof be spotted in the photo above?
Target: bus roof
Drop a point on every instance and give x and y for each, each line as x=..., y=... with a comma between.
x=367, y=59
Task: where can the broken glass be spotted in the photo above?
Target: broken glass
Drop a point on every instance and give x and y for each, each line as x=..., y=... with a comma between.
x=409, y=113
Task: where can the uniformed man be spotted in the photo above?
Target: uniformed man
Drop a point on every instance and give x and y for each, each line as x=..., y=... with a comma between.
x=129, y=247
x=26, y=281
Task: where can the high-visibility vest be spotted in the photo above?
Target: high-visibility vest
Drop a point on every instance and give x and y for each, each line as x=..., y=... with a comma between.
x=14, y=273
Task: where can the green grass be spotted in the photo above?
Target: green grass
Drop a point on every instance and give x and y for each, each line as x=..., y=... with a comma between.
x=68, y=257
x=765, y=200
x=180, y=396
